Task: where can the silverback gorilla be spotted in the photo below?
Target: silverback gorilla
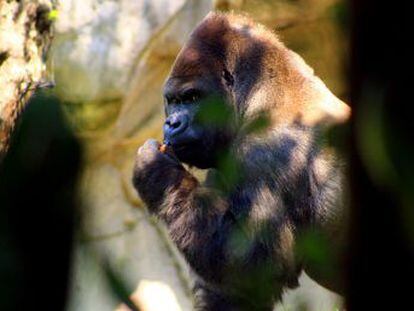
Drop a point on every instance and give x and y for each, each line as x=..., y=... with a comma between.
x=241, y=239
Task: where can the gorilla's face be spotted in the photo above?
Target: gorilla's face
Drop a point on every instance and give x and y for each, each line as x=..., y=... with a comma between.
x=198, y=123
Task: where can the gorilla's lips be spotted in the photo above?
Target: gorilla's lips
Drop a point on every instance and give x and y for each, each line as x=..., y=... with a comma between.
x=200, y=151
x=180, y=144
x=186, y=147
x=193, y=152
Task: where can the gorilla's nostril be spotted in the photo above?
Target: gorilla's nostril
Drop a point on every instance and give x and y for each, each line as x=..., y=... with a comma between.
x=175, y=124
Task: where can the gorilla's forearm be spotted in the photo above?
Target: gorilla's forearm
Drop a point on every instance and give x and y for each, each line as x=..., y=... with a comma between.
x=194, y=217
x=194, y=214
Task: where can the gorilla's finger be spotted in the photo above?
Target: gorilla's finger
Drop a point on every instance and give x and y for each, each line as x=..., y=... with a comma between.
x=152, y=144
x=139, y=151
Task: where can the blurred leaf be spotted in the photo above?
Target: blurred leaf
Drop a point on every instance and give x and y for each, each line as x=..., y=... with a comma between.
x=230, y=170
x=336, y=137
x=371, y=130
x=118, y=286
x=340, y=12
x=258, y=124
x=38, y=215
x=214, y=111
x=313, y=247
x=53, y=15
x=238, y=243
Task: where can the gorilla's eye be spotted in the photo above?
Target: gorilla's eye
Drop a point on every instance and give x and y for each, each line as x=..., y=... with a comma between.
x=172, y=101
x=190, y=95
x=187, y=96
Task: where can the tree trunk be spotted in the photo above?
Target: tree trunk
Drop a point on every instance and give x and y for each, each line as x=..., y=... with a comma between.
x=25, y=36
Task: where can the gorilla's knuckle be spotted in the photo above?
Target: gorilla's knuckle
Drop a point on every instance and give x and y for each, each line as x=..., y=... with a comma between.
x=151, y=144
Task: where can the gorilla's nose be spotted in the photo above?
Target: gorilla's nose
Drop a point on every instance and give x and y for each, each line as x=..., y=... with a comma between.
x=175, y=124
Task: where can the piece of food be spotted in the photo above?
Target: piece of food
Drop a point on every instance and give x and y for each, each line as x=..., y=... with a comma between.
x=163, y=148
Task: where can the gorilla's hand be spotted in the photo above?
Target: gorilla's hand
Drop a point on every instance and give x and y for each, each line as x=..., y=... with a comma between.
x=150, y=152
x=155, y=173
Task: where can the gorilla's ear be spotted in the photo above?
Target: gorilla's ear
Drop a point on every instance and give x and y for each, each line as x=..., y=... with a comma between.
x=319, y=105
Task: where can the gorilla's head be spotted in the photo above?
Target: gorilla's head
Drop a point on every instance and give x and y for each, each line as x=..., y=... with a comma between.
x=198, y=96
x=199, y=121
x=229, y=72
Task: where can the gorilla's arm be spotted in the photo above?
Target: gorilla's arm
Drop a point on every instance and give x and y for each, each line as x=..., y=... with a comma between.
x=192, y=212
x=202, y=224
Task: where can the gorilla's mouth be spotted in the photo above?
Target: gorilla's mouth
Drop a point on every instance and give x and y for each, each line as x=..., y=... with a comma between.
x=194, y=152
x=180, y=145
x=200, y=148
x=186, y=147
x=181, y=148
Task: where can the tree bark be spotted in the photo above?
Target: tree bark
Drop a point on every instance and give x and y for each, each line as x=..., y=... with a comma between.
x=25, y=37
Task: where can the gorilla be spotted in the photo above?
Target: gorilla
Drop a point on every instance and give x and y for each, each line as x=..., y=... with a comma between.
x=240, y=230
